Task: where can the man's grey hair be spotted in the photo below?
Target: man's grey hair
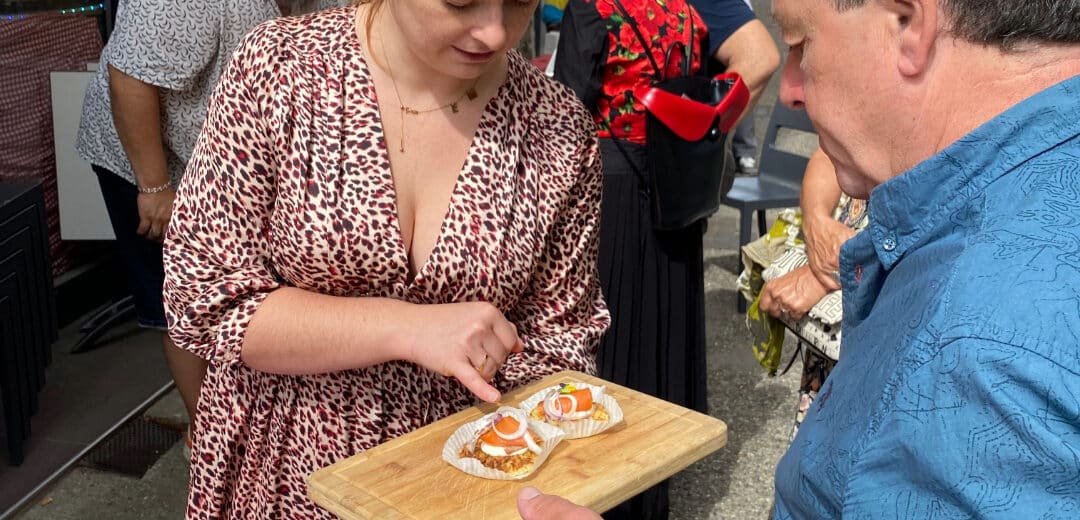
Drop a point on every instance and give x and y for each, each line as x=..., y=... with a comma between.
x=1006, y=23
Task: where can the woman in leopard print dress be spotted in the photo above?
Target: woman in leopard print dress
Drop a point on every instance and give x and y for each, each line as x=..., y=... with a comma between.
x=386, y=212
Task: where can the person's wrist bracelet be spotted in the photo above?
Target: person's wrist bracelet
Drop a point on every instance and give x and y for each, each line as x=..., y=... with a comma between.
x=155, y=189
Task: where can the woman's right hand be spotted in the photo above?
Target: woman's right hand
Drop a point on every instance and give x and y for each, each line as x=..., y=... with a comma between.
x=468, y=341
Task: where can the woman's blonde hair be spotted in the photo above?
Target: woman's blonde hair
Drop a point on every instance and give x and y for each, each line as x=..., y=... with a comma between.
x=369, y=19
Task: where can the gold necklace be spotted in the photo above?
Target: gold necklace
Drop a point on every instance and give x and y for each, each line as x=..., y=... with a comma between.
x=405, y=110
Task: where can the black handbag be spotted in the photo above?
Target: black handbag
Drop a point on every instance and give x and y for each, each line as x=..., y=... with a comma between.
x=688, y=118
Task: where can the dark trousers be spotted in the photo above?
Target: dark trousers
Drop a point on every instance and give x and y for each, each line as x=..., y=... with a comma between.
x=743, y=141
x=141, y=258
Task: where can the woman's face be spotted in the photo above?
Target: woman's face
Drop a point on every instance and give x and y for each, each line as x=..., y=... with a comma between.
x=460, y=38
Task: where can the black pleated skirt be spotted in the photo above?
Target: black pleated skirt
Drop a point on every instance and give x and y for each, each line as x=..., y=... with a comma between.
x=653, y=282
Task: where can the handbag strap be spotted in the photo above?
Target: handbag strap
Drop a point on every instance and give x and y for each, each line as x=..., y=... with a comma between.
x=687, y=62
x=657, y=76
x=658, y=72
x=629, y=160
x=794, y=355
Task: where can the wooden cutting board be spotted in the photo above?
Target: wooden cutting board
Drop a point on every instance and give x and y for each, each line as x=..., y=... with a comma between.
x=407, y=478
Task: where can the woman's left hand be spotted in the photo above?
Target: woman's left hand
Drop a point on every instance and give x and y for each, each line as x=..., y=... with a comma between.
x=792, y=294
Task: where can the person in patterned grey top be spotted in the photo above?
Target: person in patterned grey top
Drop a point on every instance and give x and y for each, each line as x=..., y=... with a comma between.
x=141, y=117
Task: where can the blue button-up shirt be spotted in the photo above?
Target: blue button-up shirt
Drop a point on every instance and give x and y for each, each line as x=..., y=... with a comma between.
x=958, y=391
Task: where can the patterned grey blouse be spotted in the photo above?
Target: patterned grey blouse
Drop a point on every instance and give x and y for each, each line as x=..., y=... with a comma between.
x=180, y=46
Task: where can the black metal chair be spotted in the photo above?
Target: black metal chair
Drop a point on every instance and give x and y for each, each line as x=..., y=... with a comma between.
x=777, y=183
x=27, y=308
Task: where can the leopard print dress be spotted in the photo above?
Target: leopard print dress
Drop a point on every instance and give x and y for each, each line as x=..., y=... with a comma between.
x=290, y=185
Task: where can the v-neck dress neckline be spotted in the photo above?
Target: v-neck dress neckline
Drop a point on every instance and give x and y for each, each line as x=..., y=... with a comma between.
x=481, y=134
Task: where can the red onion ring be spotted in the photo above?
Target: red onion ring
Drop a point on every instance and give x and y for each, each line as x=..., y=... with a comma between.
x=552, y=408
x=533, y=446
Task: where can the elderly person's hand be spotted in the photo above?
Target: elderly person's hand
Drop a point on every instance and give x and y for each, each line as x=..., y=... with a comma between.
x=792, y=294
x=824, y=236
x=534, y=505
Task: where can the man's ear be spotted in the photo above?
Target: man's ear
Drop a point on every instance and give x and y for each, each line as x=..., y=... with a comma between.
x=917, y=28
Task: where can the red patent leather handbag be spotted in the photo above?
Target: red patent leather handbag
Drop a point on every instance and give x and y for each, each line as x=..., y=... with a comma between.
x=688, y=119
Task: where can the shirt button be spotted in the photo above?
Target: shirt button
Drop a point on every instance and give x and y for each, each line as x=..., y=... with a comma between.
x=888, y=244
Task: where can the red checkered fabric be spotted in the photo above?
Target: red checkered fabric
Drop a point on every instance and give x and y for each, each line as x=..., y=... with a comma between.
x=541, y=62
x=29, y=50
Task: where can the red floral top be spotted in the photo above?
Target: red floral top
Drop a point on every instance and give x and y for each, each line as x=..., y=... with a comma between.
x=604, y=61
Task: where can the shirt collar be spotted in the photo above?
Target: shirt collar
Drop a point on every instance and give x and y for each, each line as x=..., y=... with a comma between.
x=907, y=208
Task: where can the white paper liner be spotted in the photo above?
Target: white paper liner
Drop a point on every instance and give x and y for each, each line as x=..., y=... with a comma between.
x=581, y=428
x=467, y=434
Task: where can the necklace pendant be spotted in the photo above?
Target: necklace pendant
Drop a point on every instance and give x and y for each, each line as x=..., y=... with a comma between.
x=471, y=93
x=453, y=107
x=407, y=110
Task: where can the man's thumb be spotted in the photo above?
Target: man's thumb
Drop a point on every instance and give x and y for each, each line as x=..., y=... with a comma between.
x=528, y=493
x=534, y=505
x=527, y=509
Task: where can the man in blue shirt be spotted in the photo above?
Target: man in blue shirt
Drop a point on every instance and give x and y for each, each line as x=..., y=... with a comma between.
x=958, y=391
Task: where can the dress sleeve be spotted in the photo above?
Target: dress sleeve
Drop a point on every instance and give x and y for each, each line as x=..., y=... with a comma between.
x=582, y=52
x=217, y=260
x=562, y=316
x=166, y=43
